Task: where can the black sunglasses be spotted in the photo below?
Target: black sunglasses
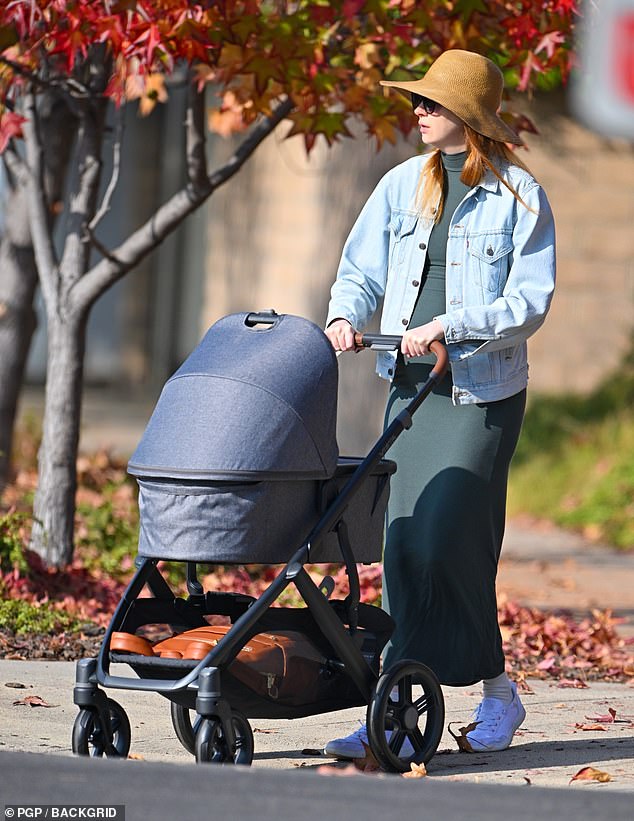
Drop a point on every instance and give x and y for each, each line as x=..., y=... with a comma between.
x=429, y=106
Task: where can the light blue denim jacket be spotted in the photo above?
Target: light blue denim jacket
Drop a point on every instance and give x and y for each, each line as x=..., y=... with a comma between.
x=500, y=275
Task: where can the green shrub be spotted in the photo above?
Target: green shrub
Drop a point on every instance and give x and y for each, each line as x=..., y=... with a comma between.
x=107, y=538
x=12, y=541
x=25, y=617
x=574, y=463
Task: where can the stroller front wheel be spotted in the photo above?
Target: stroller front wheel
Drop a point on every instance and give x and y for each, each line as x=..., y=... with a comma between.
x=211, y=746
x=90, y=739
x=405, y=716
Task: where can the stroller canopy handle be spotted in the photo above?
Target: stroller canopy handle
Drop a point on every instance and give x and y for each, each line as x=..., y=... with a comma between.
x=383, y=342
x=269, y=317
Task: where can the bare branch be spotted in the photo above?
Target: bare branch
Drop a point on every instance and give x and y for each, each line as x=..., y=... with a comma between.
x=15, y=165
x=195, y=131
x=38, y=206
x=83, y=198
x=114, y=179
x=139, y=244
x=68, y=84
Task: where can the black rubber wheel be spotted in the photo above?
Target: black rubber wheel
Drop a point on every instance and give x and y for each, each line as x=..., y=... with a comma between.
x=211, y=747
x=416, y=715
x=88, y=736
x=183, y=727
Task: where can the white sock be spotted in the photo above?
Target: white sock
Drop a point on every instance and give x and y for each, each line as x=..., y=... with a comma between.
x=498, y=687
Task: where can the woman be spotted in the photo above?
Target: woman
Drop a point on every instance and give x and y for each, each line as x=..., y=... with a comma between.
x=459, y=244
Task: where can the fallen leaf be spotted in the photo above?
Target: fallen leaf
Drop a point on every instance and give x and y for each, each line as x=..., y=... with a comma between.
x=16, y=685
x=605, y=719
x=34, y=701
x=136, y=756
x=593, y=727
x=576, y=683
x=591, y=774
x=368, y=764
x=461, y=740
x=416, y=771
x=527, y=779
x=523, y=686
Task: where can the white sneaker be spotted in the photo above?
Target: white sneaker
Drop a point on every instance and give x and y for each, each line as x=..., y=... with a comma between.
x=352, y=745
x=497, y=722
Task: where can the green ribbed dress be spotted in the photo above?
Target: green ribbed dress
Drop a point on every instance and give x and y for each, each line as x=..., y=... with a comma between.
x=446, y=513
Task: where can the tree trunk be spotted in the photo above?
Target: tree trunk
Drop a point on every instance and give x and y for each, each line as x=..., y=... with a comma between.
x=18, y=282
x=54, y=504
x=18, y=270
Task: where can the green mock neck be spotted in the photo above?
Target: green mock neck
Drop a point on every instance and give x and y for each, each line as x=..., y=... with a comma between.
x=453, y=162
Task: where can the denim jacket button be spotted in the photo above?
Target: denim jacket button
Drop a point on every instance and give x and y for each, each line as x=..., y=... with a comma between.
x=422, y=246
x=404, y=321
x=415, y=283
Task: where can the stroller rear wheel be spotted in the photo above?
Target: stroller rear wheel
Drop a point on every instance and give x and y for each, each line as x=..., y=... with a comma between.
x=211, y=745
x=89, y=737
x=183, y=727
x=394, y=721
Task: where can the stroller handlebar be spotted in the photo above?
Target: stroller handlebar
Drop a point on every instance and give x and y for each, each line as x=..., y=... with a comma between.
x=383, y=342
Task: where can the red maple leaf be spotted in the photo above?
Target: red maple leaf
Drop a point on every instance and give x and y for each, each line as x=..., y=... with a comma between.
x=10, y=127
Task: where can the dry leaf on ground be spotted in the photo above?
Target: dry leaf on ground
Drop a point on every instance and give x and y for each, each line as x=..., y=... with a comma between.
x=368, y=764
x=34, y=701
x=461, y=740
x=136, y=757
x=591, y=774
x=604, y=719
x=17, y=685
x=592, y=727
x=576, y=683
x=416, y=771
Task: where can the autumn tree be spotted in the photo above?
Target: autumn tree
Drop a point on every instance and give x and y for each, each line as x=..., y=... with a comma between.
x=311, y=63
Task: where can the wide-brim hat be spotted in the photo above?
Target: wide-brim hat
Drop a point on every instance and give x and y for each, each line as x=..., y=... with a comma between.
x=470, y=86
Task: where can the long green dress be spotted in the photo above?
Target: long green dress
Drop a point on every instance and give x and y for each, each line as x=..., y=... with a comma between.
x=446, y=513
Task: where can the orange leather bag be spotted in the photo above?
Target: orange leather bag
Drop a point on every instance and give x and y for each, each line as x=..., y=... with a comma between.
x=284, y=665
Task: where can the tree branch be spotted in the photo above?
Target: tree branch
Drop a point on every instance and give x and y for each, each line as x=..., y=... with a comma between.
x=16, y=165
x=70, y=85
x=83, y=198
x=195, y=133
x=139, y=244
x=114, y=179
x=41, y=234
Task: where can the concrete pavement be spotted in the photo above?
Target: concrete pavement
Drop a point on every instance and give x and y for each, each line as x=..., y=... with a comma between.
x=547, y=751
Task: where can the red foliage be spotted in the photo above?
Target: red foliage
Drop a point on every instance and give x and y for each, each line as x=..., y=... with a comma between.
x=255, y=52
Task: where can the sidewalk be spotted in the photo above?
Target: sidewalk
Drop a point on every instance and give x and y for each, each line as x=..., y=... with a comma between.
x=547, y=751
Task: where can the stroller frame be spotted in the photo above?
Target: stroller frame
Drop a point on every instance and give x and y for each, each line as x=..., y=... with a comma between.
x=201, y=686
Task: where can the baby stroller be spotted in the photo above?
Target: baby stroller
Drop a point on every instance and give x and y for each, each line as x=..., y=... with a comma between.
x=239, y=465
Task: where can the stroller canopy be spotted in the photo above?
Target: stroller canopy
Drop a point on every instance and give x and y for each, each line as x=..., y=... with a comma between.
x=250, y=402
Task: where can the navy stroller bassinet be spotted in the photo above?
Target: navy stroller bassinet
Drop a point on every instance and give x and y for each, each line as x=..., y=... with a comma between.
x=239, y=459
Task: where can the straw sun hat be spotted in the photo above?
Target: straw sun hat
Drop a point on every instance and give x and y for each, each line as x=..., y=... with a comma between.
x=470, y=86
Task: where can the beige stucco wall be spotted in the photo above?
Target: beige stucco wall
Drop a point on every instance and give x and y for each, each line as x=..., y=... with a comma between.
x=275, y=234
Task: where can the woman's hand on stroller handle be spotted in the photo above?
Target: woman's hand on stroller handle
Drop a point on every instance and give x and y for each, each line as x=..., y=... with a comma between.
x=383, y=342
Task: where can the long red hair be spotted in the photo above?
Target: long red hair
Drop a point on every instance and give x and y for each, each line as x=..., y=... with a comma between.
x=483, y=154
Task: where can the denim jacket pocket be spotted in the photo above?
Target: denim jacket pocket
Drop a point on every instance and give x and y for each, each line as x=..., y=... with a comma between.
x=402, y=225
x=490, y=257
